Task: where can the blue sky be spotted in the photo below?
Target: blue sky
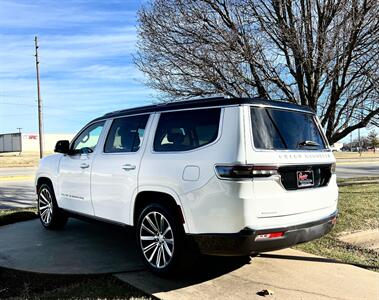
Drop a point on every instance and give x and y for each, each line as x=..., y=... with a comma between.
x=86, y=62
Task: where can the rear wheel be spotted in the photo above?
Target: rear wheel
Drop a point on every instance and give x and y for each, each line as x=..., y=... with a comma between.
x=50, y=215
x=161, y=241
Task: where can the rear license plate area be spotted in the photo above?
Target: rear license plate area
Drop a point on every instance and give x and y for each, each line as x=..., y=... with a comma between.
x=305, y=178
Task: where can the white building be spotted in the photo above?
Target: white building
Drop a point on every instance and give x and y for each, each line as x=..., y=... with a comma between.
x=30, y=141
x=337, y=146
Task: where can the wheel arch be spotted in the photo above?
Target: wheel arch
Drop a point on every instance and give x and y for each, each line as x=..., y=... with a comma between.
x=43, y=179
x=166, y=198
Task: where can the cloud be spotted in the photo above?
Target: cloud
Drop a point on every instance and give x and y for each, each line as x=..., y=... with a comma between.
x=86, y=63
x=31, y=15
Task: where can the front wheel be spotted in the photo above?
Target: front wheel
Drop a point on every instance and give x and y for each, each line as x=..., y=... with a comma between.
x=161, y=241
x=50, y=215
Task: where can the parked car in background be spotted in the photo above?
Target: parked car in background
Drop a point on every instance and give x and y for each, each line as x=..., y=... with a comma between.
x=217, y=176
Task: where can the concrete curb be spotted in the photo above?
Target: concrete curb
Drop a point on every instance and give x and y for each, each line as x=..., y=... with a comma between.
x=358, y=182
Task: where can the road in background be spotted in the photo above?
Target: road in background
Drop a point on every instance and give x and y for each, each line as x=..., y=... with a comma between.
x=17, y=188
x=17, y=184
x=16, y=172
x=350, y=169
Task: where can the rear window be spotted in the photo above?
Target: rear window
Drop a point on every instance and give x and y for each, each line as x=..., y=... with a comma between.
x=285, y=130
x=186, y=130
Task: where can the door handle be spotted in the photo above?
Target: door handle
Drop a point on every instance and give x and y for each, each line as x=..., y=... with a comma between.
x=84, y=165
x=128, y=167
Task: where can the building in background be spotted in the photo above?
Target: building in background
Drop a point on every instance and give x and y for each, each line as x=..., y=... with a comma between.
x=337, y=146
x=30, y=141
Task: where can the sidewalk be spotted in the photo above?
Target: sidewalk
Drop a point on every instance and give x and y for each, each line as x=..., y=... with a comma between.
x=289, y=273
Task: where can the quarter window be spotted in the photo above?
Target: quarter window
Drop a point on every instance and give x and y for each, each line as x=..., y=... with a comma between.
x=186, y=130
x=126, y=134
x=88, y=139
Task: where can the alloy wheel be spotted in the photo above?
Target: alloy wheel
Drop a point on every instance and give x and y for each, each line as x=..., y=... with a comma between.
x=45, y=206
x=156, y=239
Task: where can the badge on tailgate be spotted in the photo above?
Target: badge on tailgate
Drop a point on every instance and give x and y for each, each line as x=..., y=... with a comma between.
x=305, y=178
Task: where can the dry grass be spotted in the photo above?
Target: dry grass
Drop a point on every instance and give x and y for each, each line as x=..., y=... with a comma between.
x=358, y=210
x=27, y=285
x=355, y=155
x=9, y=216
x=26, y=159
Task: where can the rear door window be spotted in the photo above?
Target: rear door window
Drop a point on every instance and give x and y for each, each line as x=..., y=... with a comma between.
x=278, y=129
x=186, y=130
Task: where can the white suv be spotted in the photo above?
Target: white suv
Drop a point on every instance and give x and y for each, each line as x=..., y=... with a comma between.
x=223, y=176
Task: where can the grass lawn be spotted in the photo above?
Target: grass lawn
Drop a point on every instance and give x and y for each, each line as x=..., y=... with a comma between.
x=358, y=210
x=355, y=155
x=9, y=216
x=25, y=285
x=9, y=160
x=367, y=178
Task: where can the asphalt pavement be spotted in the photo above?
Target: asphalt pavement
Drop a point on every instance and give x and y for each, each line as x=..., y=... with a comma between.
x=80, y=248
x=351, y=169
x=17, y=188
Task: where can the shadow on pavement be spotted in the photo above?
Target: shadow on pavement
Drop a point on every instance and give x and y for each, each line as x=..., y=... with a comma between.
x=79, y=248
x=88, y=248
x=20, y=194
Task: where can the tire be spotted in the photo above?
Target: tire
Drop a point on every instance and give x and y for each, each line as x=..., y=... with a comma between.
x=50, y=215
x=162, y=243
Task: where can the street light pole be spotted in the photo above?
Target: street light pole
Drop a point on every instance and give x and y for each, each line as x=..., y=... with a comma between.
x=40, y=123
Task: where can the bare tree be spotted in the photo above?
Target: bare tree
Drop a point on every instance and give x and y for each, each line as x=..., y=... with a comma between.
x=373, y=139
x=319, y=53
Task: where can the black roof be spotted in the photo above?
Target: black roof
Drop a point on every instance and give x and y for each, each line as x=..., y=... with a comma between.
x=204, y=102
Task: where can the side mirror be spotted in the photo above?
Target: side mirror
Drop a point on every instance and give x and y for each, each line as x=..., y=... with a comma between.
x=62, y=147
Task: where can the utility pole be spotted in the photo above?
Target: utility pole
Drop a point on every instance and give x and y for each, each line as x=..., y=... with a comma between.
x=40, y=123
x=19, y=131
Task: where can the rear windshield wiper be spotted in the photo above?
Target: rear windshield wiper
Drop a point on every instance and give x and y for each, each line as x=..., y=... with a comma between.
x=308, y=143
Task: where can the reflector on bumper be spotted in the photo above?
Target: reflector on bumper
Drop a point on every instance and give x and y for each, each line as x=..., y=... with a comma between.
x=271, y=235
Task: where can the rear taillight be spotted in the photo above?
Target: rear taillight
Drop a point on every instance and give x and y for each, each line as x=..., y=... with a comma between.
x=244, y=171
x=333, y=168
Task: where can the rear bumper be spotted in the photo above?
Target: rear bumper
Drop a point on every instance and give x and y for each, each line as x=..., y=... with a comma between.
x=245, y=243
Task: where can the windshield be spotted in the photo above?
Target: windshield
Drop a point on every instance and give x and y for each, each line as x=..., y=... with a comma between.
x=278, y=129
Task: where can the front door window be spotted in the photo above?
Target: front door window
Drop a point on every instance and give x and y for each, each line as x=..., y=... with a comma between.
x=88, y=139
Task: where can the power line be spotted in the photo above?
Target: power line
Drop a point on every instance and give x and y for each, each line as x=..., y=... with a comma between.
x=45, y=106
